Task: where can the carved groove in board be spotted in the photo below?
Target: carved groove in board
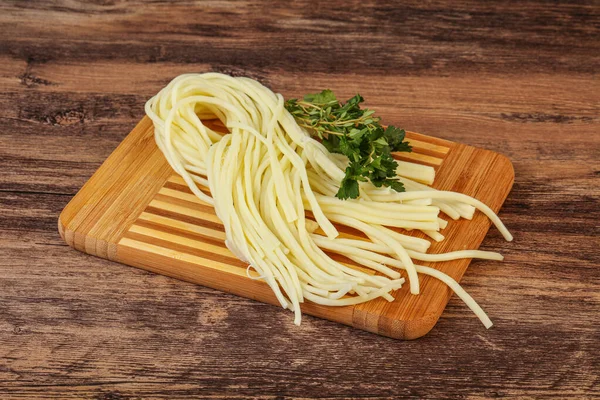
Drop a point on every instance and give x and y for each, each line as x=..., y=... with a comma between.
x=420, y=158
x=423, y=147
x=185, y=240
x=182, y=225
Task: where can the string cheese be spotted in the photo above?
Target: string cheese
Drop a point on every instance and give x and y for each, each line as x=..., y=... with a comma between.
x=272, y=185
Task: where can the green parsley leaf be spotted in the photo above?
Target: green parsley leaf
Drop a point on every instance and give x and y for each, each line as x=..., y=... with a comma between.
x=324, y=98
x=395, y=138
x=347, y=129
x=348, y=189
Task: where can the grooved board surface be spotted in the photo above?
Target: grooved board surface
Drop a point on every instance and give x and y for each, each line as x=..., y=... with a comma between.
x=137, y=211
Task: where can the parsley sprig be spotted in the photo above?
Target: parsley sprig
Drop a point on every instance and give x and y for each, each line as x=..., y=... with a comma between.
x=347, y=129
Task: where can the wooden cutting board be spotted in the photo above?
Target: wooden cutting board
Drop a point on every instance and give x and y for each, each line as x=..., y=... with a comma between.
x=137, y=211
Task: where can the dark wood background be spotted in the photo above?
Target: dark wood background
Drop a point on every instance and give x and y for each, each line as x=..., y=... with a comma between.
x=521, y=78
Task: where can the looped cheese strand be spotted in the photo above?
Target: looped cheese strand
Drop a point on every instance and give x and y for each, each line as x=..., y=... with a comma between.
x=267, y=171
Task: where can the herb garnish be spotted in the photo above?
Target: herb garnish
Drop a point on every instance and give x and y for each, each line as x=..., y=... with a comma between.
x=346, y=129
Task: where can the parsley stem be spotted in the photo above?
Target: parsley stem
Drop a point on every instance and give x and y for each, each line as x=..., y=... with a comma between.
x=325, y=130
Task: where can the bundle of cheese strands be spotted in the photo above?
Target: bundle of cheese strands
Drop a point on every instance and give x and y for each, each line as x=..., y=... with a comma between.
x=273, y=186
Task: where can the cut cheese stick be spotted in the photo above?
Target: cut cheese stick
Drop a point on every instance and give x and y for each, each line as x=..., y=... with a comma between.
x=418, y=172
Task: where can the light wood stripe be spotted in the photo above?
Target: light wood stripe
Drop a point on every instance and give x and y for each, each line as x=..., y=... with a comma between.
x=188, y=248
x=182, y=225
x=425, y=159
x=177, y=255
x=185, y=218
x=429, y=139
x=192, y=205
x=174, y=238
x=177, y=179
x=418, y=144
x=190, y=212
x=176, y=182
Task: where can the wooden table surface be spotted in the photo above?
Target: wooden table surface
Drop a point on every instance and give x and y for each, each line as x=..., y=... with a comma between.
x=521, y=78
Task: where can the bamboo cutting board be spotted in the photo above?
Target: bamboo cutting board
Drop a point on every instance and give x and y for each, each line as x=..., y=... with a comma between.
x=137, y=211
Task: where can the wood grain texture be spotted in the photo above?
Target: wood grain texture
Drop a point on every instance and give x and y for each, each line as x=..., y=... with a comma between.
x=520, y=78
x=137, y=211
